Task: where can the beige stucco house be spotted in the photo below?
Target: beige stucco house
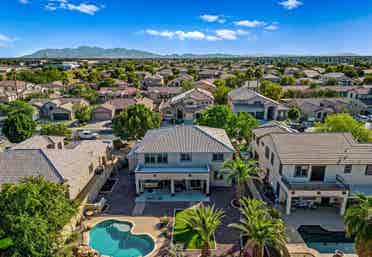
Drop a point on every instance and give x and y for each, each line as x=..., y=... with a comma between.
x=323, y=168
x=180, y=159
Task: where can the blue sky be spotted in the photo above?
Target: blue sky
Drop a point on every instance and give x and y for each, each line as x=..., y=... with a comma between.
x=192, y=26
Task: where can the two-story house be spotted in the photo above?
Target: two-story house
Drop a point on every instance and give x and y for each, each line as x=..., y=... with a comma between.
x=187, y=106
x=180, y=159
x=322, y=168
x=261, y=107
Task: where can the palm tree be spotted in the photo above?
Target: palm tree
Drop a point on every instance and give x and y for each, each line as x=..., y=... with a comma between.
x=260, y=228
x=204, y=220
x=240, y=172
x=358, y=221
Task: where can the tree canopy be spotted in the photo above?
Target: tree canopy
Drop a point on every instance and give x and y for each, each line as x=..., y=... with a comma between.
x=56, y=129
x=358, y=222
x=18, y=127
x=133, y=122
x=271, y=90
x=17, y=106
x=236, y=125
x=82, y=112
x=84, y=91
x=32, y=214
x=345, y=123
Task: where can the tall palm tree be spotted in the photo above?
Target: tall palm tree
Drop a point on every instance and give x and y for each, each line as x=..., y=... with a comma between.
x=240, y=172
x=260, y=228
x=204, y=220
x=358, y=221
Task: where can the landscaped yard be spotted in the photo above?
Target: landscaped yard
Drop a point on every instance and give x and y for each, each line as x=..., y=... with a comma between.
x=183, y=235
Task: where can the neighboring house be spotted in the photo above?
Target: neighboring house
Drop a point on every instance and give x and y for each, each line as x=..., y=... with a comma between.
x=317, y=109
x=187, y=106
x=166, y=73
x=177, y=82
x=307, y=168
x=83, y=166
x=14, y=86
x=313, y=74
x=58, y=109
x=159, y=94
x=271, y=77
x=180, y=159
x=103, y=112
x=361, y=94
x=119, y=104
x=208, y=74
x=106, y=93
x=341, y=78
x=291, y=71
x=263, y=108
x=152, y=81
x=206, y=85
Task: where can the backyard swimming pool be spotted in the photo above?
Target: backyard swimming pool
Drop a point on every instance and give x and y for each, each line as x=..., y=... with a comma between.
x=114, y=238
x=325, y=241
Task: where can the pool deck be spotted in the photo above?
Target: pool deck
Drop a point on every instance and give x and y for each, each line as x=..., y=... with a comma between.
x=141, y=226
x=328, y=218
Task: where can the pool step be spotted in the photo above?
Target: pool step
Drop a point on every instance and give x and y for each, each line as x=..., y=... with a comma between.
x=138, y=209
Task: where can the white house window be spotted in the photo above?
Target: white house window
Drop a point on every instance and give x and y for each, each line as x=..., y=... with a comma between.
x=348, y=168
x=267, y=152
x=156, y=158
x=369, y=170
x=301, y=171
x=186, y=157
x=218, y=157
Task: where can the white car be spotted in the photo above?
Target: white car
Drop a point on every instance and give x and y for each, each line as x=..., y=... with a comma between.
x=86, y=134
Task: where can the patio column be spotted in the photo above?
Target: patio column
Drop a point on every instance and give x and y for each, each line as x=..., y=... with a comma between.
x=172, y=187
x=288, y=205
x=207, y=187
x=343, y=206
x=137, y=186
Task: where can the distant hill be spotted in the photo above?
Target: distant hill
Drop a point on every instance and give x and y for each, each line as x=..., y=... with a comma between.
x=91, y=52
x=98, y=52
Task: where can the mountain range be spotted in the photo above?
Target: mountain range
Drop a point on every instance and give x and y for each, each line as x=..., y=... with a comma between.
x=89, y=52
x=98, y=52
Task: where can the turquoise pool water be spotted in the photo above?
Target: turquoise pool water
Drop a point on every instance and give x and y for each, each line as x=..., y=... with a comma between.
x=114, y=238
x=325, y=241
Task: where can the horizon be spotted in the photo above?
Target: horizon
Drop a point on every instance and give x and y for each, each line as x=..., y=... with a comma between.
x=265, y=28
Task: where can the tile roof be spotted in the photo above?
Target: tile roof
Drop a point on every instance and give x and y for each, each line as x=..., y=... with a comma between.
x=177, y=139
x=195, y=93
x=21, y=163
x=320, y=148
x=70, y=164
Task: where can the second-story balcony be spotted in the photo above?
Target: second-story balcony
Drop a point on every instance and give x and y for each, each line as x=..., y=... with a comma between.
x=339, y=184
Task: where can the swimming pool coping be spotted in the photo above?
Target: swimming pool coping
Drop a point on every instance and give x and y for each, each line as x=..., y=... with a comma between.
x=96, y=220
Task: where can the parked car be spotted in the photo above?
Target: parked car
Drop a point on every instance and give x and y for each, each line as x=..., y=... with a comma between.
x=86, y=134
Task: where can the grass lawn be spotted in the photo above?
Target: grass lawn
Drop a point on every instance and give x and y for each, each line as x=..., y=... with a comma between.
x=185, y=236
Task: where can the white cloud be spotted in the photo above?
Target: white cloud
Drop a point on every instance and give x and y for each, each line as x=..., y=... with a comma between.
x=179, y=34
x=24, y=1
x=250, y=24
x=213, y=38
x=86, y=8
x=5, y=40
x=291, y=4
x=272, y=27
x=190, y=35
x=213, y=18
x=227, y=34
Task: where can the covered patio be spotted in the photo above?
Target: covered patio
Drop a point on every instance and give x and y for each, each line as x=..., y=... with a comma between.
x=172, y=183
